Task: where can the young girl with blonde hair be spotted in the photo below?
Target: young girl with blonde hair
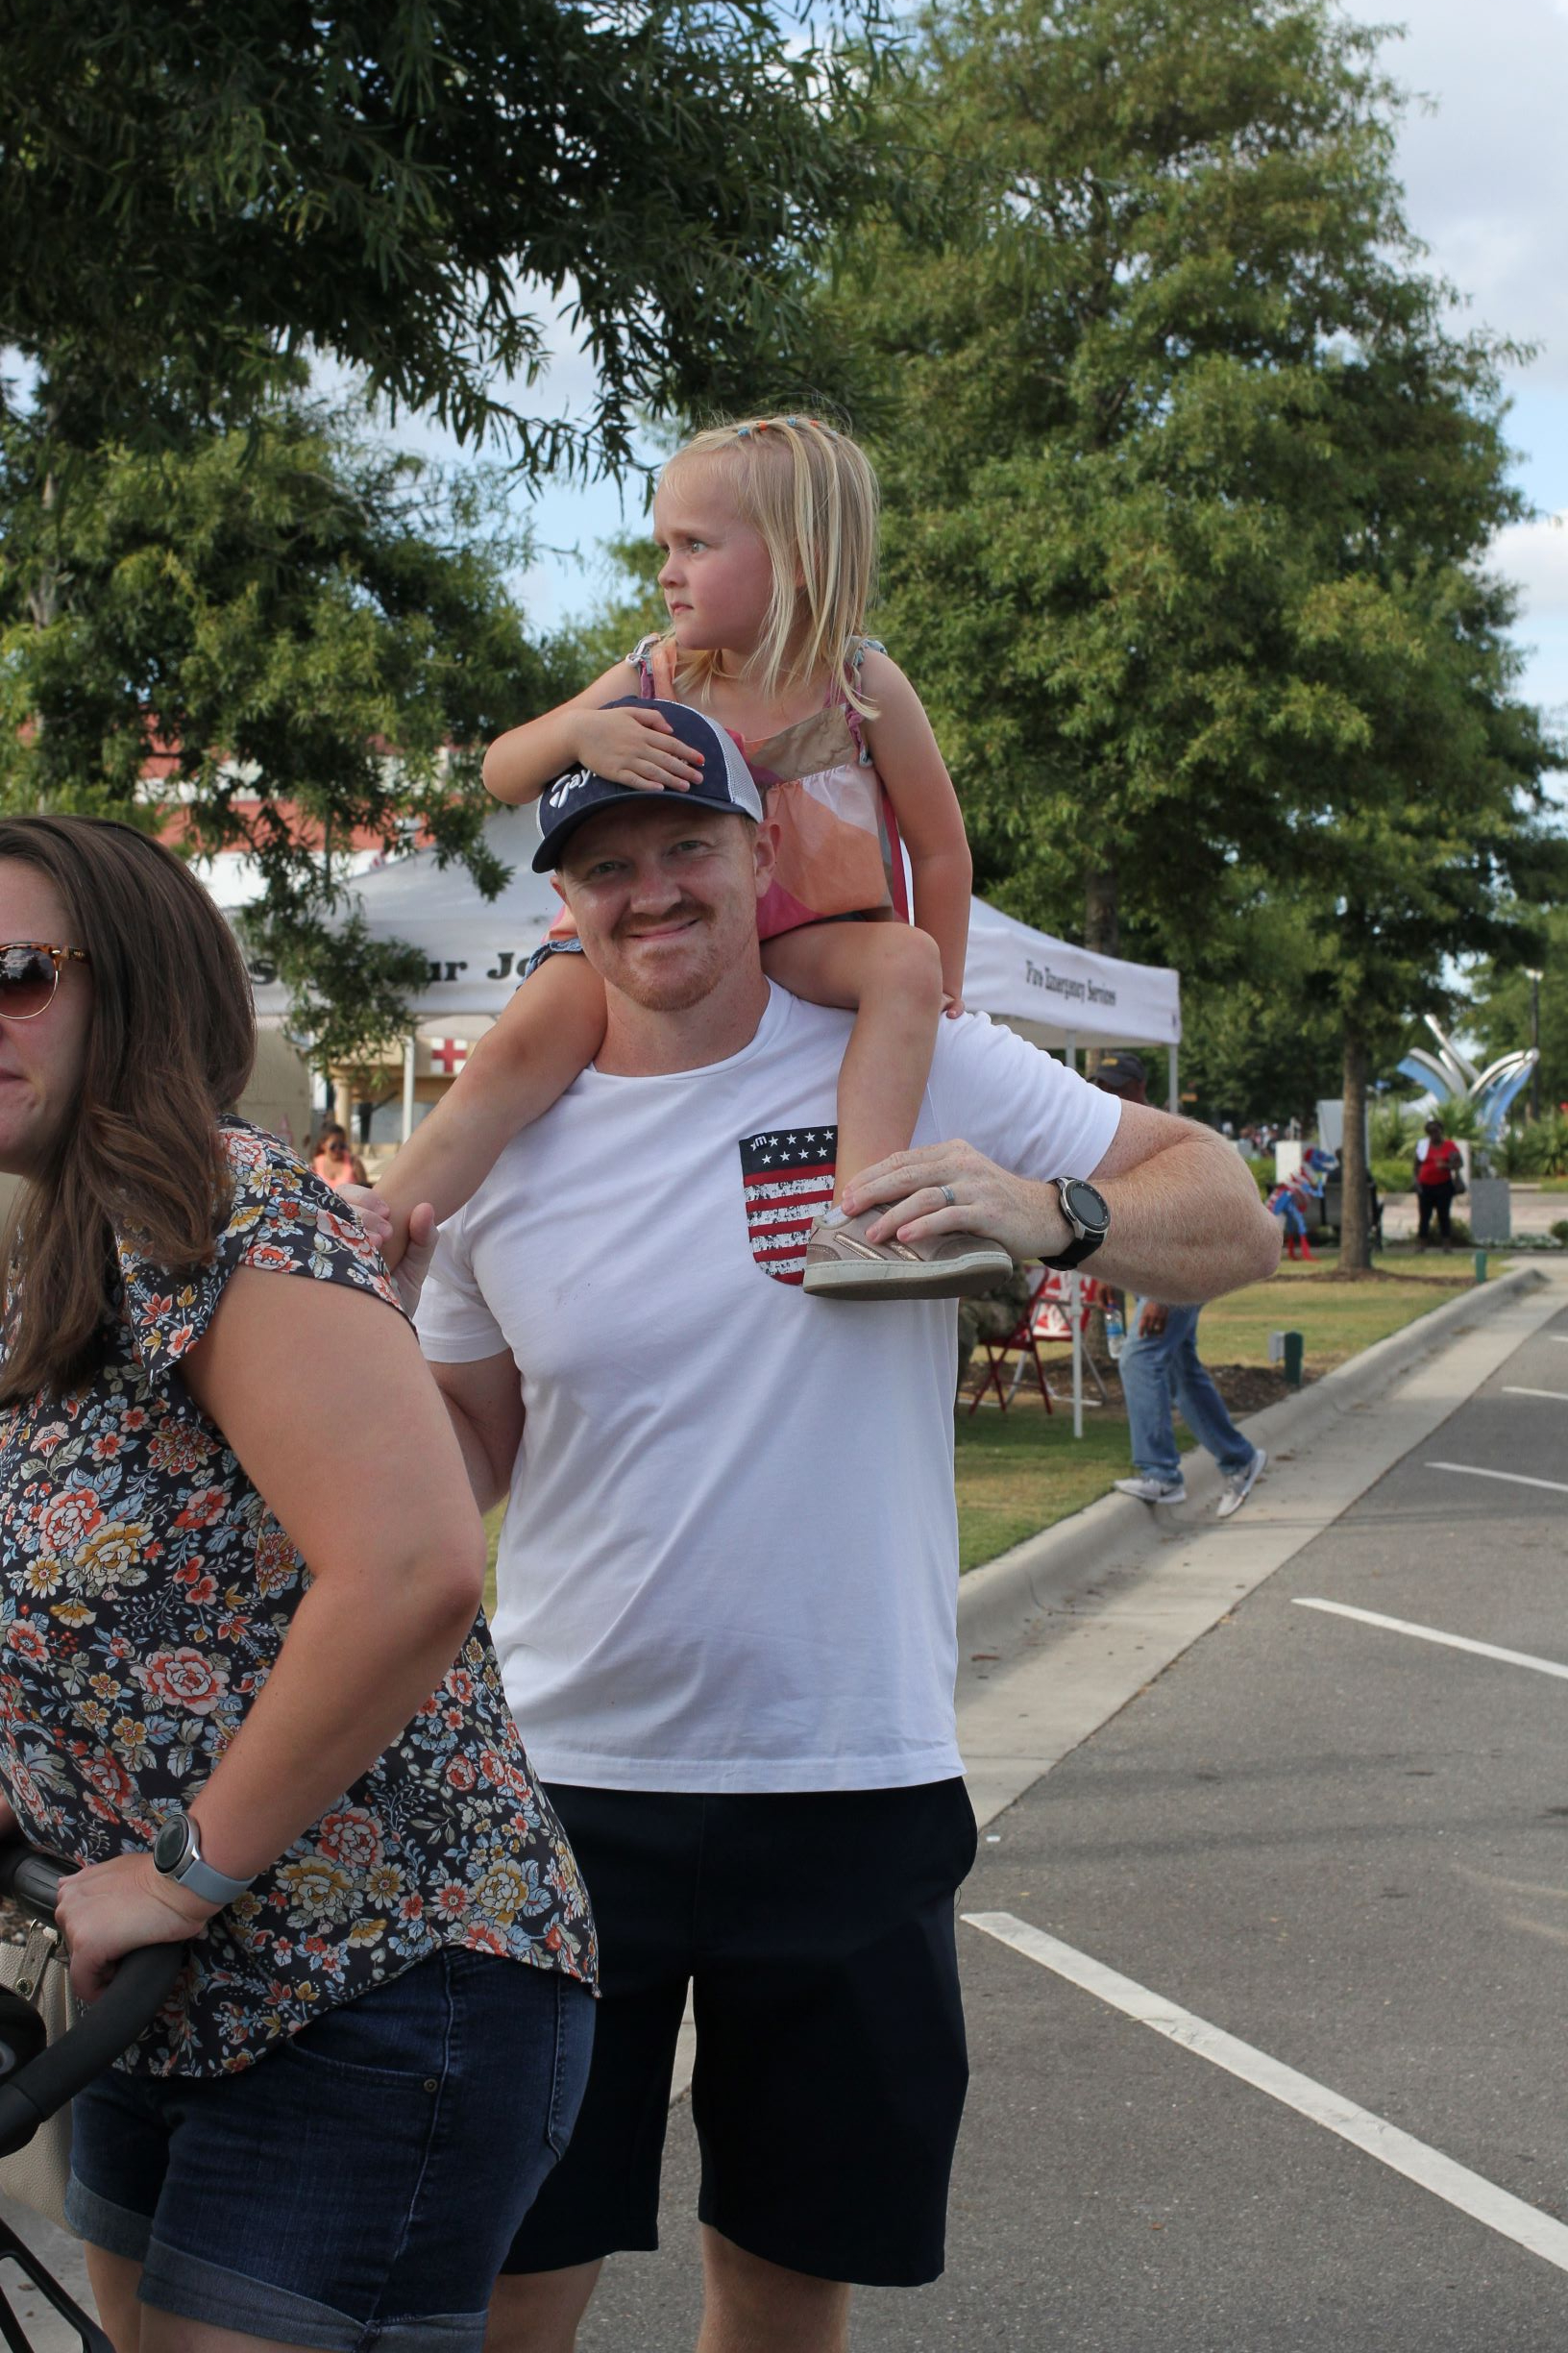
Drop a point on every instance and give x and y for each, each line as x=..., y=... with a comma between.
x=768, y=533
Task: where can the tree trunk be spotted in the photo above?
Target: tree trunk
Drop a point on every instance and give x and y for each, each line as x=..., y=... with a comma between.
x=1354, y=1228
x=1102, y=914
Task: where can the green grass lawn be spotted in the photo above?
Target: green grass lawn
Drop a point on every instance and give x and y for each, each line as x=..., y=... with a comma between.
x=1017, y=1472
x=1022, y=1471
x=1337, y=1319
x=492, y=1530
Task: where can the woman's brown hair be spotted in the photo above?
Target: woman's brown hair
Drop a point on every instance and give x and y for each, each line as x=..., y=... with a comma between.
x=170, y=1041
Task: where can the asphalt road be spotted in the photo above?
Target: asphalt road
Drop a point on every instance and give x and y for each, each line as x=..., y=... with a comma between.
x=1344, y=1845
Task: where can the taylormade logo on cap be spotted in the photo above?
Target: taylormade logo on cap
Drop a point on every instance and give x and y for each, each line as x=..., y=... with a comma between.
x=578, y=794
x=575, y=780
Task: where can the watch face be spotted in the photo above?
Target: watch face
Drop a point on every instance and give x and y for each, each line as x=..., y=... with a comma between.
x=169, y=1846
x=1085, y=1204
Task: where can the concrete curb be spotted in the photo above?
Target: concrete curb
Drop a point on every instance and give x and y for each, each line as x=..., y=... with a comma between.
x=1117, y=1534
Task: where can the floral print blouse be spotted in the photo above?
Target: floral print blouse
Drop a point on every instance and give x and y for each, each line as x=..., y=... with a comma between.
x=145, y=1591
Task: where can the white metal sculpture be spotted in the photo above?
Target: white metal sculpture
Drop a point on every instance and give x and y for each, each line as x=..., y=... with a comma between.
x=1453, y=1078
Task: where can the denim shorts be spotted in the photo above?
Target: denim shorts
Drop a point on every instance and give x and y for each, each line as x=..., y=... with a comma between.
x=358, y=2186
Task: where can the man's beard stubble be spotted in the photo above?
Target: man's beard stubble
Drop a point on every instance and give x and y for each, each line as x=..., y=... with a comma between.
x=674, y=991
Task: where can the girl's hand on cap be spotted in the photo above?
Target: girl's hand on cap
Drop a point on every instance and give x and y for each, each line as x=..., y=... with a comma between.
x=628, y=745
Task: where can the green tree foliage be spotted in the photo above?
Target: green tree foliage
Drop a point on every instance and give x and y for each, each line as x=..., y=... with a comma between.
x=1264, y=1044
x=319, y=632
x=1499, y=1015
x=629, y=608
x=199, y=201
x=1188, y=496
x=190, y=189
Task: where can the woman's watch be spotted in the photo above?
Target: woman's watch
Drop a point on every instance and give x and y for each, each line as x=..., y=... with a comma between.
x=177, y=1854
x=1088, y=1221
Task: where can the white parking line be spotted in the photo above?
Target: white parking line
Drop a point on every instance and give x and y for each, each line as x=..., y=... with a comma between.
x=1471, y=2192
x=1561, y=1395
x=1429, y=1634
x=1516, y=1479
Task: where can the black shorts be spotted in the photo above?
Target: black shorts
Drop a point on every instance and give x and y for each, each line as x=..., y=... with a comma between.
x=817, y=1931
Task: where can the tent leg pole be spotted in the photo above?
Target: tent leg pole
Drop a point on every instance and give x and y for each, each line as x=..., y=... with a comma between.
x=1076, y=1314
x=1173, y=1101
x=410, y=1055
x=1072, y=1049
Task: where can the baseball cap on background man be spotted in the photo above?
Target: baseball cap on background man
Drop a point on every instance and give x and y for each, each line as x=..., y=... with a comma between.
x=726, y=782
x=1120, y=1069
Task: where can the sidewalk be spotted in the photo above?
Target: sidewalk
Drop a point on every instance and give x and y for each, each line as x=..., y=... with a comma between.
x=1532, y=1211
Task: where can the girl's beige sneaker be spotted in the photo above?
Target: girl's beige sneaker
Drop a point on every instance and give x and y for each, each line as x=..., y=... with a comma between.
x=840, y=1264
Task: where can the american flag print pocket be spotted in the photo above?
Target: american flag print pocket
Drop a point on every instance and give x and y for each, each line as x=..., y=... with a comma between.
x=788, y=1178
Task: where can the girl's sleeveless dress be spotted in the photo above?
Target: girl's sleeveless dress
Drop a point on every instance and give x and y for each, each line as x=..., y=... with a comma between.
x=838, y=851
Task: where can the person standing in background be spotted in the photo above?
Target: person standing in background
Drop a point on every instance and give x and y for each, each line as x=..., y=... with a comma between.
x=337, y=1162
x=1158, y=1363
x=1439, y=1169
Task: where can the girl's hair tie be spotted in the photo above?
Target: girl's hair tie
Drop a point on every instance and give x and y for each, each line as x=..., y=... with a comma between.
x=762, y=424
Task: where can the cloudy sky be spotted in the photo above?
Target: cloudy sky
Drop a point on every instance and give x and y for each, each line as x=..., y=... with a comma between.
x=1484, y=154
x=1484, y=161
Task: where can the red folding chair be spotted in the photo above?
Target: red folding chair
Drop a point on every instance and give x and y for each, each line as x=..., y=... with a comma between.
x=1046, y=1318
x=1022, y=1342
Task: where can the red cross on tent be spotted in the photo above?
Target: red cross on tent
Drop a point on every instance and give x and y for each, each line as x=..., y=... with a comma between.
x=448, y=1054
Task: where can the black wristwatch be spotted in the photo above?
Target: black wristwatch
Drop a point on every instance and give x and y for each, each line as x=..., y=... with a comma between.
x=1088, y=1221
x=177, y=1854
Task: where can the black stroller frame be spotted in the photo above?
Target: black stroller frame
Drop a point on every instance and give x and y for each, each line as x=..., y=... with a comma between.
x=37, y=2081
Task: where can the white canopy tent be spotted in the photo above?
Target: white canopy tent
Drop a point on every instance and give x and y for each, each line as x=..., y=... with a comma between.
x=477, y=946
x=1056, y=995
x=1065, y=996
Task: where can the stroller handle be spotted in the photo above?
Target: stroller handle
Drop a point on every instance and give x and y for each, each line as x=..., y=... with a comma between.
x=123, y=2010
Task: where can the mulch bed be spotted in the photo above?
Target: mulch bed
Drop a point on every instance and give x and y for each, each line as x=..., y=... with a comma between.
x=1246, y=1389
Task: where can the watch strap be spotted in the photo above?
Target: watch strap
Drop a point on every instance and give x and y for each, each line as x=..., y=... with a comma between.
x=192, y=1869
x=1075, y=1252
x=212, y=1886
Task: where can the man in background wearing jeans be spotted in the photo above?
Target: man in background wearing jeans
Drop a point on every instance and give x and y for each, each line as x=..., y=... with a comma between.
x=1159, y=1361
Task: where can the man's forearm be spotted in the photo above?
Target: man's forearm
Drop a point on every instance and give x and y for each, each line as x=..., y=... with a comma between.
x=1186, y=1225
x=1185, y=1220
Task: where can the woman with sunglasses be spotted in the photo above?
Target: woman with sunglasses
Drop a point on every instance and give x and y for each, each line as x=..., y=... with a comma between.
x=336, y=1162
x=243, y=1677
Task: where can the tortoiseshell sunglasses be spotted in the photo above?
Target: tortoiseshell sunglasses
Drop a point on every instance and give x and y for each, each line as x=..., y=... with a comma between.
x=30, y=972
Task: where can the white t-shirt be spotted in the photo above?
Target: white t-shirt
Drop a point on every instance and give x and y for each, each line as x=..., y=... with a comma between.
x=729, y=1559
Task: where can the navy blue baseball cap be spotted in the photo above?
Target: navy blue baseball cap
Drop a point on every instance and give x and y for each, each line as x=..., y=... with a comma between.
x=726, y=782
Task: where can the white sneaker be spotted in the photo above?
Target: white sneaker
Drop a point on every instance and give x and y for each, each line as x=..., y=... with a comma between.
x=1147, y=1490
x=1240, y=1486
